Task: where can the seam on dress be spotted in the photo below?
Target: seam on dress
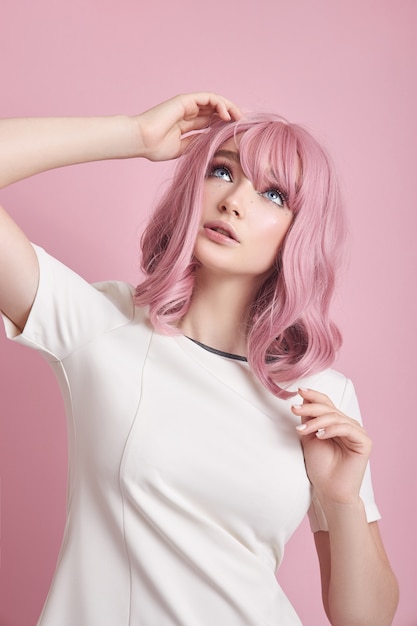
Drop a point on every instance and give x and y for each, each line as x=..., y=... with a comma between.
x=122, y=495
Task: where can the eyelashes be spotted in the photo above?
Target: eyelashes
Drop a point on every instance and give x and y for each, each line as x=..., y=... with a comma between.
x=220, y=171
x=274, y=195
x=224, y=171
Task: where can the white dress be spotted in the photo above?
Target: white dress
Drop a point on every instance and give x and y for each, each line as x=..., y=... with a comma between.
x=186, y=476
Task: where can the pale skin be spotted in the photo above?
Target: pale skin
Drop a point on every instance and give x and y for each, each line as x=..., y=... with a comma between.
x=358, y=585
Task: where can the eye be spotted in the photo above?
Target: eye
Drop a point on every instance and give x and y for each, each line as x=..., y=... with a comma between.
x=220, y=171
x=275, y=196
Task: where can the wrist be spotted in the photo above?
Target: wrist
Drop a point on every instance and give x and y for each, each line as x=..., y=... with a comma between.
x=126, y=143
x=353, y=508
x=140, y=136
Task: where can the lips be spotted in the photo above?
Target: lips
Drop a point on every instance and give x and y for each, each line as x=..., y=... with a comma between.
x=223, y=228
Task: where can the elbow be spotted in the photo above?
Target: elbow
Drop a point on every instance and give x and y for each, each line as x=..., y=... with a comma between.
x=393, y=595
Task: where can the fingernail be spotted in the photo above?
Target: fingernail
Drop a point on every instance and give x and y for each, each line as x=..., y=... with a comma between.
x=304, y=389
x=320, y=432
x=297, y=406
x=301, y=427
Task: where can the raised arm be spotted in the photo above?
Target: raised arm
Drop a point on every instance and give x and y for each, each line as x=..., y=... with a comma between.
x=32, y=145
x=29, y=146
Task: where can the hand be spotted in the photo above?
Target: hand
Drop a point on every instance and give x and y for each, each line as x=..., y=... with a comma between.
x=160, y=129
x=336, y=448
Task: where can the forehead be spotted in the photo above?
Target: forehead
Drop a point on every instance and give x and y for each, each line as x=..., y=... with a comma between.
x=231, y=144
x=229, y=149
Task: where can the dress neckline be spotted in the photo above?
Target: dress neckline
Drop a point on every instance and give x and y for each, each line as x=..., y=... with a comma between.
x=228, y=355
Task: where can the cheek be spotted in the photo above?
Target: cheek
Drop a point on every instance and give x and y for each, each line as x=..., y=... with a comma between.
x=275, y=227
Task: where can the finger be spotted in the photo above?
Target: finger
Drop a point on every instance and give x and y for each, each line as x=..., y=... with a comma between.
x=315, y=410
x=197, y=123
x=227, y=111
x=341, y=429
x=352, y=438
x=324, y=422
x=225, y=108
x=207, y=103
x=345, y=435
x=311, y=395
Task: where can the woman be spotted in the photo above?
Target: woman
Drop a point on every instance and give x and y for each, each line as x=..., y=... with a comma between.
x=187, y=398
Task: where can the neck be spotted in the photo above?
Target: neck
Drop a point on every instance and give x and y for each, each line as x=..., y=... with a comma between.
x=218, y=312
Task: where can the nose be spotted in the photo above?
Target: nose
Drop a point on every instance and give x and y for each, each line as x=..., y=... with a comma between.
x=234, y=202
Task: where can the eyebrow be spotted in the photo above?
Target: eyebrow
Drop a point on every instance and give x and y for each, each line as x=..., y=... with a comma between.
x=228, y=154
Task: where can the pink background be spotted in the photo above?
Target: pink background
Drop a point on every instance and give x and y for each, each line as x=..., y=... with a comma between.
x=345, y=69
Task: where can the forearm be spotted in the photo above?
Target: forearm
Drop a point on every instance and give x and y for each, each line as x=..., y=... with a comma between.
x=362, y=589
x=32, y=145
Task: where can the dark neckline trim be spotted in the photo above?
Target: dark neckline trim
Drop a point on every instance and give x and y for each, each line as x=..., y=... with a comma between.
x=228, y=355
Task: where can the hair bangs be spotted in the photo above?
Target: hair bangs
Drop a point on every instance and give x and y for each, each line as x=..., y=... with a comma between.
x=270, y=158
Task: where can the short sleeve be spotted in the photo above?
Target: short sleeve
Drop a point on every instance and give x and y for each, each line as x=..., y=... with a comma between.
x=68, y=312
x=350, y=406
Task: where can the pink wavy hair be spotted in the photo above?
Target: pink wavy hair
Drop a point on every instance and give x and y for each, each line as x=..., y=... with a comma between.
x=290, y=333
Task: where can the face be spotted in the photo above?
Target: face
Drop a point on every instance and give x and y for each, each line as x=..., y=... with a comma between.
x=242, y=228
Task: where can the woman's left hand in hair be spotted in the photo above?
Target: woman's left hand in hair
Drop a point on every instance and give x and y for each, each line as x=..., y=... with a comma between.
x=160, y=131
x=336, y=448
